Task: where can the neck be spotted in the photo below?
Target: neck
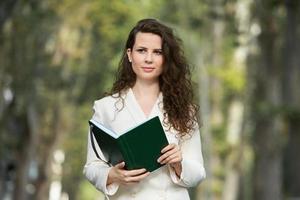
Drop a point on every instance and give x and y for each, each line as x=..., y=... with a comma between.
x=146, y=89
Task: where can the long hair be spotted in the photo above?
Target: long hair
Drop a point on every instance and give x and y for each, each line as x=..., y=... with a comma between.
x=174, y=82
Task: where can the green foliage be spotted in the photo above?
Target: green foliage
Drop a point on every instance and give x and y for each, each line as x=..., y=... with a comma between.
x=232, y=77
x=88, y=192
x=75, y=145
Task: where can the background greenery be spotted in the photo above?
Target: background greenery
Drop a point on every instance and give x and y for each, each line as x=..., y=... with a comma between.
x=58, y=56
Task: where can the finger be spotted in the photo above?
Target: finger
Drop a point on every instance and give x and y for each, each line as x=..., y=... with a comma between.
x=169, y=147
x=167, y=154
x=172, y=160
x=136, y=179
x=164, y=157
x=140, y=177
x=136, y=172
x=120, y=165
x=169, y=158
x=171, y=151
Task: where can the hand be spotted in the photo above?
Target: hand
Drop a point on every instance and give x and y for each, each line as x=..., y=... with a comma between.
x=172, y=155
x=126, y=177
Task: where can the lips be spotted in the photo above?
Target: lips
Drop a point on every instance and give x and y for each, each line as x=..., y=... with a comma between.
x=148, y=69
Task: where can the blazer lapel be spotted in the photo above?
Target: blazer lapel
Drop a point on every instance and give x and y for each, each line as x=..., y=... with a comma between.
x=157, y=109
x=135, y=110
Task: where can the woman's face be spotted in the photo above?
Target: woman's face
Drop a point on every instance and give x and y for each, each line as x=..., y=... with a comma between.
x=146, y=56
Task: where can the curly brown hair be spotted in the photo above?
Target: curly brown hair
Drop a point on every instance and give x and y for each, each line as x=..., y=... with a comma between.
x=174, y=82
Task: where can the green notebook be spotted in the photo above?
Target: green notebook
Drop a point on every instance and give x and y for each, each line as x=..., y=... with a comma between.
x=139, y=147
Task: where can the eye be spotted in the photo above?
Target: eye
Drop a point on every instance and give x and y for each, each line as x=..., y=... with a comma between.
x=158, y=52
x=141, y=50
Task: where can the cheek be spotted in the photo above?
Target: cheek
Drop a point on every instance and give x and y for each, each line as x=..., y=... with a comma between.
x=134, y=68
x=161, y=63
x=137, y=58
x=161, y=69
x=134, y=64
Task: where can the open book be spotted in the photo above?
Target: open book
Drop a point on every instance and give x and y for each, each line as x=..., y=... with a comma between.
x=138, y=147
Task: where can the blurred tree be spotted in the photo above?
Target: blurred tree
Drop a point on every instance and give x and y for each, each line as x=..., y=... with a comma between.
x=291, y=97
x=57, y=57
x=32, y=119
x=266, y=113
x=6, y=10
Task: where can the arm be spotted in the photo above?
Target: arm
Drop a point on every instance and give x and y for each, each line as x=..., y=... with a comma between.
x=95, y=170
x=104, y=177
x=188, y=171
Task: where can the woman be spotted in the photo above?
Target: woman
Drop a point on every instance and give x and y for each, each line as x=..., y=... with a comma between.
x=153, y=80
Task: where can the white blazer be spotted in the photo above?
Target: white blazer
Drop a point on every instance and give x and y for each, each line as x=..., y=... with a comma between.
x=160, y=184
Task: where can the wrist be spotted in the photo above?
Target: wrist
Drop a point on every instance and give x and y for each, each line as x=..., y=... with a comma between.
x=177, y=167
x=110, y=177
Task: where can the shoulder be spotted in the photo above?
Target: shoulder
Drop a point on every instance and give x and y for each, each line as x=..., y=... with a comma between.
x=107, y=107
x=105, y=102
x=110, y=101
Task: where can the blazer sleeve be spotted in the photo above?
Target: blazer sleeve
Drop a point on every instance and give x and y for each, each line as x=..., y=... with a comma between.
x=193, y=171
x=95, y=170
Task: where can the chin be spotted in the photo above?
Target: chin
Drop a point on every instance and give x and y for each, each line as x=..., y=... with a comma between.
x=149, y=78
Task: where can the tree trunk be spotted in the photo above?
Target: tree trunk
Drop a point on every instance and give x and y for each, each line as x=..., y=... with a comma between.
x=45, y=176
x=218, y=27
x=267, y=131
x=6, y=9
x=233, y=165
x=203, y=80
x=23, y=161
x=291, y=97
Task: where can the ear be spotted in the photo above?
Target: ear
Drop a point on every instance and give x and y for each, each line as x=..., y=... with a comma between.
x=129, y=54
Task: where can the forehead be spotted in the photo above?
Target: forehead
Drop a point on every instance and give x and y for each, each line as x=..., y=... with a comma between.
x=148, y=40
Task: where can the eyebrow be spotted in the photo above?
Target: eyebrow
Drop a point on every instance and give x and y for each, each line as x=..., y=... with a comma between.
x=142, y=47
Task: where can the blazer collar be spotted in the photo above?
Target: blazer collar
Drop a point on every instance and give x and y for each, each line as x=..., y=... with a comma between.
x=136, y=111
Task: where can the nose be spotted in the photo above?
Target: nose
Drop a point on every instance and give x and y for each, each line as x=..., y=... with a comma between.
x=148, y=58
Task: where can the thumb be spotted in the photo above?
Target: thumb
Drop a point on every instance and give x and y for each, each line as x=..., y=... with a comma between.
x=120, y=165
